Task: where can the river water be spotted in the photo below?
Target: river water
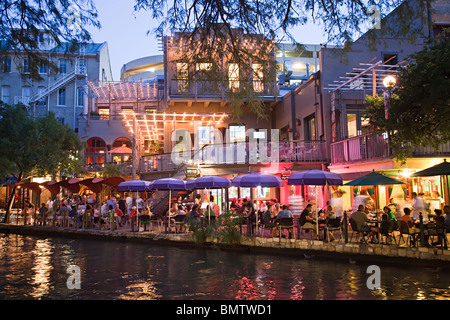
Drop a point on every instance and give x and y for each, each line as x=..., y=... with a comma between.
x=39, y=268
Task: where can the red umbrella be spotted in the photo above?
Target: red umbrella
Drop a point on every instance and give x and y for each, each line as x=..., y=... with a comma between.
x=52, y=186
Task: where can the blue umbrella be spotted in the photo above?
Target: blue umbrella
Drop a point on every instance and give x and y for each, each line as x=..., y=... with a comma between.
x=253, y=180
x=134, y=185
x=169, y=184
x=211, y=182
x=315, y=177
x=190, y=184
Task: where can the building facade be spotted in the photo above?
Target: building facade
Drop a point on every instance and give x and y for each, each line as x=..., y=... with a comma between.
x=63, y=92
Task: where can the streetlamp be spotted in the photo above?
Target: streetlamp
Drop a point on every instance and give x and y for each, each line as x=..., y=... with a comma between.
x=388, y=83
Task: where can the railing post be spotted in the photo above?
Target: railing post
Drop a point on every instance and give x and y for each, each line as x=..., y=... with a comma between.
x=345, y=227
x=422, y=233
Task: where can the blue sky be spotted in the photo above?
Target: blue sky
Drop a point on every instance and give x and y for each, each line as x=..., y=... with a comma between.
x=125, y=31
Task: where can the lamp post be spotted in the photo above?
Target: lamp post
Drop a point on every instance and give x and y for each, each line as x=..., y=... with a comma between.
x=388, y=83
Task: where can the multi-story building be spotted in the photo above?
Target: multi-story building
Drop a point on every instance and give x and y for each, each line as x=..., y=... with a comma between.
x=330, y=105
x=63, y=92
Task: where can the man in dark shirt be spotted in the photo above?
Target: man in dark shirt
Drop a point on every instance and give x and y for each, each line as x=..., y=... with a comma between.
x=43, y=212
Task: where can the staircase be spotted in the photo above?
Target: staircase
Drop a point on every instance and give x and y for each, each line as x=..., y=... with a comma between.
x=79, y=70
x=163, y=205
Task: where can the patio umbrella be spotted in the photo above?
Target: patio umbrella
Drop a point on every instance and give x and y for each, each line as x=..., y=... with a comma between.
x=209, y=182
x=134, y=185
x=253, y=180
x=169, y=184
x=315, y=178
x=443, y=170
x=374, y=179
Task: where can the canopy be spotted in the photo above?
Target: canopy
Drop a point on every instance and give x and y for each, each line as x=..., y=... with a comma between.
x=52, y=186
x=34, y=186
x=134, y=185
x=121, y=150
x=253, y=180
x=374, y=179
x=441, y=169
x=169, y=184
x=209, y=182
x=315, y=177
x=72, y=184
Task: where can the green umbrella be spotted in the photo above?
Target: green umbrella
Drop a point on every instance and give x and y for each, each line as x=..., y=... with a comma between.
x=442, y=169
x=374, y=179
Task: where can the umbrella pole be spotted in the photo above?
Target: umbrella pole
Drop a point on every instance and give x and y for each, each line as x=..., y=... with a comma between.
x=317, y=217
x=168, y=216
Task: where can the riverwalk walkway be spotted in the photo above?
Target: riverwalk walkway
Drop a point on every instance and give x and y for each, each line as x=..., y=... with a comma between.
x=307, y=248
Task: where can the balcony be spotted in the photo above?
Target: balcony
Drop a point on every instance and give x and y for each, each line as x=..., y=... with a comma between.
x=182, y=88
x=372, y=147
x=237, y=154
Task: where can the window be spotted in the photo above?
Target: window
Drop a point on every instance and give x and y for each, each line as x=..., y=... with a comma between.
x=5, y=94
x=62, y=97
x=390, y=59
x=95, y=145
x=356, y=124
x=26, y=94
x=6, y=65
x=62, y=66
x=80, y=96
x=233, y=77
x=310, y=127
x=258, y=75
x=204, y=66
x=205, y=135
x=182, y=76
x=81, y=66
x=26, y=66
x=42, y=68
x=237, y=133
x=119, y=142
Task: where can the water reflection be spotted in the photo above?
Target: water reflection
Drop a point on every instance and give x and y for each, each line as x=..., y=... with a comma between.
x=36, y=268
x=42, y=268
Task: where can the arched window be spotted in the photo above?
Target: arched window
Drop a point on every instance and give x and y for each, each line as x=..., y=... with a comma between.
x=119, y=142
x=95, y=145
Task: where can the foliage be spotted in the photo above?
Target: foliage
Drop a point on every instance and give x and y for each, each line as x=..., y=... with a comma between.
x=418, y=114
x=40, y=146
x=22, y=22
x=112, y=170
x=225, y=230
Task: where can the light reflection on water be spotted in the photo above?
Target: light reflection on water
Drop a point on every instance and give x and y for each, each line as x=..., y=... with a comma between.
x=36, y=268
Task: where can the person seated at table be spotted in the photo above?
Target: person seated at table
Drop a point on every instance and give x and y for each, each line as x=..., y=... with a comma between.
x=410, y=222
x=268, y=220
x=440, y=224
x=362, y=222
x=194, y=215
x=209, y=213
x=384, y=225
x=285, y=213
x=330, y=215
x=447, y=217
x=306, y=220
x=391, y=216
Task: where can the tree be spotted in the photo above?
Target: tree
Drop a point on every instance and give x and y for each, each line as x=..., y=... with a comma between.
x=35, y=147
x=22, y=23
x=419, y=108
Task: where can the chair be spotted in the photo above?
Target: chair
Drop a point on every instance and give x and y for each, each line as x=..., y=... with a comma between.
x=180, y=222
x=145, y=219
x=333, y=225
x=308, y=229
x=405, y=230
x=355, y=229
x=389, y=232
x=287, y=224
x=435, y=229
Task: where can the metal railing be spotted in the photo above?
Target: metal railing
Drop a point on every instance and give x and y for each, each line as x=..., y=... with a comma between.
x=238, y=153
x=209, y=88
x=374, y=146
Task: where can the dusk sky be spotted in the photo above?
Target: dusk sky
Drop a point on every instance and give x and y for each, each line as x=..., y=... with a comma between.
x=125, y=31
